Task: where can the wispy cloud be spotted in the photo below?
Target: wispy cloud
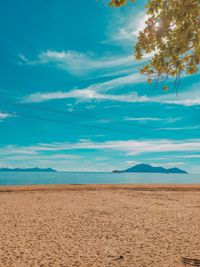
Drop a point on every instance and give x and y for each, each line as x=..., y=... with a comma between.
x=94, y=92
x=60, y=162
x=183, y=102
x=39, y=157
x=82, y=95
x=99, y=91
x=4, y=115
x=79, y=63
x=145, y=119
x=130, y=147
x=170, y=164
x=66, y=155
x=142, y=119
x=191, y=156
x=179, y=128
x=125, y=26
x=189, y=97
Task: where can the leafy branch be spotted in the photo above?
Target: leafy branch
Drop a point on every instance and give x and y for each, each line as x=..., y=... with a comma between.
x=172, y=34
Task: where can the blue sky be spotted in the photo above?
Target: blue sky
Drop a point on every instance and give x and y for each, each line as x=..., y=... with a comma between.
x=72, y=98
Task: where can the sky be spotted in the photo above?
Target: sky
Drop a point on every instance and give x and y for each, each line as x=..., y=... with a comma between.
x=72, y=97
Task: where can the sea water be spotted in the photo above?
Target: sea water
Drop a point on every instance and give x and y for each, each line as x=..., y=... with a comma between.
x=34, y=178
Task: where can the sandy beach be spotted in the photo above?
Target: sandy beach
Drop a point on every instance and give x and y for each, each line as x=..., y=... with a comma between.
x=99, y=225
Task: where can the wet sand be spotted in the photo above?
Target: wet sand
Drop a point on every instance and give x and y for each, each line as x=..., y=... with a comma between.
x=99, y=225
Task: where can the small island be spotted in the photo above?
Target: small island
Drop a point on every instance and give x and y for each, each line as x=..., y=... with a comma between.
x=146, y=168
x=27, y=170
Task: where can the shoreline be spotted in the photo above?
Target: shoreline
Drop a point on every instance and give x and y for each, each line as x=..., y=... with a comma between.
x=95, y=187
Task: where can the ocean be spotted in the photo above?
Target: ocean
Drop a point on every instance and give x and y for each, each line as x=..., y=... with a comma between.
x=34, y=178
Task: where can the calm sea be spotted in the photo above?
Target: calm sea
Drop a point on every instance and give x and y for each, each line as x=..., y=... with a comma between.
x=25, y=178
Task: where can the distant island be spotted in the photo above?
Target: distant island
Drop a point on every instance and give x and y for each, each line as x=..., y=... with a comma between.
x=27, y=170
x=150, y=169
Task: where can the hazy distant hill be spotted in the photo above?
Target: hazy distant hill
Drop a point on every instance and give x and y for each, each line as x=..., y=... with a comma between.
x=149, y=168
x=27, y=170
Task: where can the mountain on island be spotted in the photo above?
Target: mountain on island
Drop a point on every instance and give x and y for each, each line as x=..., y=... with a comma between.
x=27, y=170
x=150, y=169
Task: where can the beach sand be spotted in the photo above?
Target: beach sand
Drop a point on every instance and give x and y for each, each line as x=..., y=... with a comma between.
x=99, y=225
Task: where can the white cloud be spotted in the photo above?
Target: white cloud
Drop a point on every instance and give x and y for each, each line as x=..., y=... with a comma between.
x=169, y=164
x=90, y=107
x=132, y=162
x=99, y=91
x=197, y=156
x=124, y=27
x=192, y=156
x=82, y=95
x=184, y=102
x=74, y=62
x=130, y=147
x=4, y=115
x=144, y=119
x=79, y=63
x=23, y=58
x=16, y=150
x=5, y=165
x=38, y=157
x=179, y=128
x=55, y=155
x=94, y=92
x=190, y=97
